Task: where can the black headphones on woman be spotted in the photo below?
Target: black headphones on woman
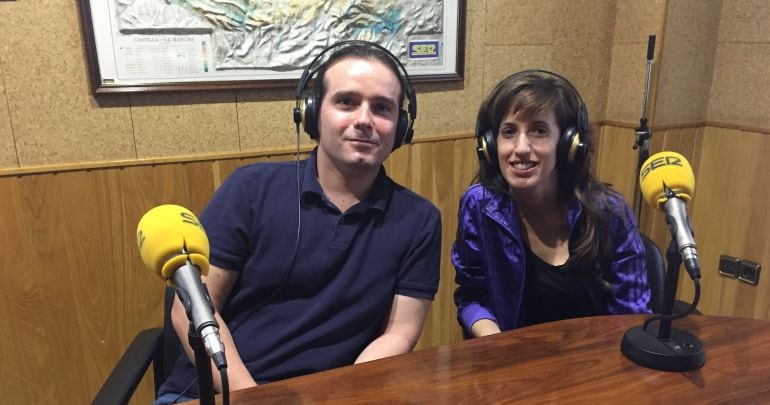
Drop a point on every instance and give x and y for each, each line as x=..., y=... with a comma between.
x=309, y=113
x=570, y=151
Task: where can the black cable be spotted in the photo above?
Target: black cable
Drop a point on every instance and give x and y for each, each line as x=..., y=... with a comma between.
x=672, y=317
x=195, y=380
x=225, y=386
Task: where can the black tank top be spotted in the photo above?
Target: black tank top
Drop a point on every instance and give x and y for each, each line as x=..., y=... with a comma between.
x=552, y=293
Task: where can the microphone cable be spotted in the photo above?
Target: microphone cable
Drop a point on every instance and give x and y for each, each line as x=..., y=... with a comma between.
x=690, y=310
x=225, y=388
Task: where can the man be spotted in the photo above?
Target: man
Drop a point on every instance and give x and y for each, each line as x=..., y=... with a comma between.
x=353, y=280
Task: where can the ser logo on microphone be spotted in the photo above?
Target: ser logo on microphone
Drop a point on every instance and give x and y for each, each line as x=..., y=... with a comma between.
x=660, y=162
x=190, y=219
x=186, y=218
x=140, y=239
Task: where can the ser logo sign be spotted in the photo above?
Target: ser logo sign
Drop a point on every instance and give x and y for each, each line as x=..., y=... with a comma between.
x=423, y=49
x=660, y=162
x=190, y=219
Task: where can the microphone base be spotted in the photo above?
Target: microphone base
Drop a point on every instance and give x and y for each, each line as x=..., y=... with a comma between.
x=681, y=352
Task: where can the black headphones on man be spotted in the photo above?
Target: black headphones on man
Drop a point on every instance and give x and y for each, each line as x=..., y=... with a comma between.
x=570, y=151
x=309, y=114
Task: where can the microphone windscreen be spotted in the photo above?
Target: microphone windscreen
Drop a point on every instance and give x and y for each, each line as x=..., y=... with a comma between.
x=670, y=169
x=163, y=235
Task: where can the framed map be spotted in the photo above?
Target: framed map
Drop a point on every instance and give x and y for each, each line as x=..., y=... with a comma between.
x=169, y=45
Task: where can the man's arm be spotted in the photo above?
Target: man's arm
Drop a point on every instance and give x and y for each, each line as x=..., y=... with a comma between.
x=219, y=283
x=407, y=316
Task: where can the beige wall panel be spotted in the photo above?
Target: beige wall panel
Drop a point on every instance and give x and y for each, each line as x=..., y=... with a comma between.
x=582, y=51
x=687, y=61
x=625, y=94
x=740, y=91
x=54, y=117
x=502, y=61
x=745, y=21
x=7, y=146
x=636, y=20
x=449, y=108
x=186, y=123
x=450, y=111
x=519, y=22
x=265, y=119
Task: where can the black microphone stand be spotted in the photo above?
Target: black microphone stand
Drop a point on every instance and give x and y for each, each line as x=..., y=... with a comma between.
x=205, y=379
x=203, y=366
x=667, y=349
x=643, y=132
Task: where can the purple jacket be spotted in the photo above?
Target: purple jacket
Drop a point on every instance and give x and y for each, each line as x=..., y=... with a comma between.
x=489, y=259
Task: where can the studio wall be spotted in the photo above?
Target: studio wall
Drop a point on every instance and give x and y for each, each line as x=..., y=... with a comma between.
x=78, y=171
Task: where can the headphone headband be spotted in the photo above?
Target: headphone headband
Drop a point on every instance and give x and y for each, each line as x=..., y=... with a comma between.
x=310, y=114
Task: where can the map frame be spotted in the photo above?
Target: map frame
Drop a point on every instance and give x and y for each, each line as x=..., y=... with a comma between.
x=100, y=35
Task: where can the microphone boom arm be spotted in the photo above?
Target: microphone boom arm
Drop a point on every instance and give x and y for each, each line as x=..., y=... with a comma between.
x=643, y=132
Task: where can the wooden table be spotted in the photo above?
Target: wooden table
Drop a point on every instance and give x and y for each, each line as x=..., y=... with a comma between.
x=577, y=360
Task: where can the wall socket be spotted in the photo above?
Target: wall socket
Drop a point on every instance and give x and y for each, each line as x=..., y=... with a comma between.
x=742, y=269
x=749, y=272
x=729, y=266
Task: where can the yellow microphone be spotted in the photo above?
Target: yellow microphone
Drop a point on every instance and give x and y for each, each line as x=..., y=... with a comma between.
x=167, y=236
x=666, y=170
x=174, y=245
x=667, y=182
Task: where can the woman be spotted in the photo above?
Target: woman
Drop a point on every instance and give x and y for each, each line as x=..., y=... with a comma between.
x=539, y=238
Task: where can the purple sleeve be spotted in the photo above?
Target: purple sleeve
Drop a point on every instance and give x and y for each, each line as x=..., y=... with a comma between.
x=628, y=273
x=471, y=294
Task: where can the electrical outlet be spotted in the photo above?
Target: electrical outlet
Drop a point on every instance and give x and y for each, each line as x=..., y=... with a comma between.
x=749, y=272
x=729, y=266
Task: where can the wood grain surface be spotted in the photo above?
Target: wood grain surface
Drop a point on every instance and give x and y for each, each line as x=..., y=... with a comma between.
x=573, y=361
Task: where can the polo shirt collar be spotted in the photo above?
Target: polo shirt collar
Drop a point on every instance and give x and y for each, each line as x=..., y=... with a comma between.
x=377, y=200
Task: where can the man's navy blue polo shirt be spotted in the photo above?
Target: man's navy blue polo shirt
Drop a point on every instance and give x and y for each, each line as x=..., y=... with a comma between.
x=341, y=278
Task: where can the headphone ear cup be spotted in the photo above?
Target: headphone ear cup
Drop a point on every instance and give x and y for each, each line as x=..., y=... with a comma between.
x=401, y=129
x=491, y=141
x=310, y=120
x=486, y=146
x=571, y=150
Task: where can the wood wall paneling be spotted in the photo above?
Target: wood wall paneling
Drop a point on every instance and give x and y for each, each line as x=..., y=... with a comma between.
x=730, y=217
x=76, y=291
x=728, y=209
x=616, y=160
